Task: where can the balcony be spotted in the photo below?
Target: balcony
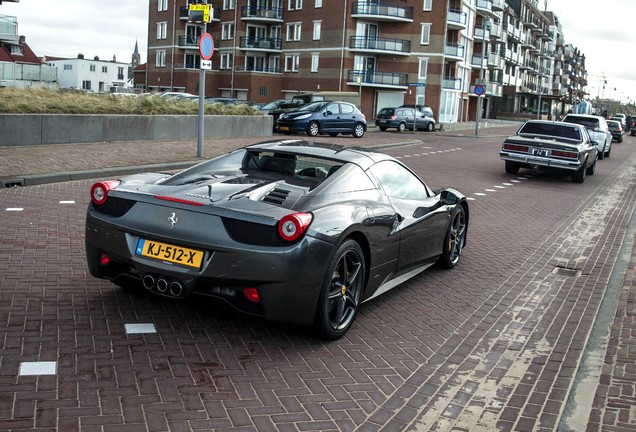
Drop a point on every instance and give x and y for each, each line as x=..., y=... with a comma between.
x=8, y=28
x=495, y=61
x=496, y=32
x=377, y=79
x=23, y=75
x=498, y=5
x=189, y=42
x=262, y=14
x=454, y=51
x=494, y=89
x=381, y=11
x=478, y=62
x=456, y=19
x=485, y=8
x=376, y=45
x=215, y=14
x=481, y=33
x=451, y=83
x=264, y=44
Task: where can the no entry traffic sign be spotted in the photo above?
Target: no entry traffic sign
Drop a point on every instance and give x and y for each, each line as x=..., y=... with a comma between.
x=206, y=46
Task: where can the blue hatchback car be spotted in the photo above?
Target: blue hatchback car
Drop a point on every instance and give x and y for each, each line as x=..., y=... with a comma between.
x=325, y=117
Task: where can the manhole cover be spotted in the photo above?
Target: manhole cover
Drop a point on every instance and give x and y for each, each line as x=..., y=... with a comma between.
x=564, y=271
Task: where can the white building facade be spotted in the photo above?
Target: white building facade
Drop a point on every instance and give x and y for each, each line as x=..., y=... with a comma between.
x=91, y=74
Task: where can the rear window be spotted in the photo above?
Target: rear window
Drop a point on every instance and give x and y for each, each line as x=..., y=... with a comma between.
x=551, y=129
x=386, y=112
x=589, y=123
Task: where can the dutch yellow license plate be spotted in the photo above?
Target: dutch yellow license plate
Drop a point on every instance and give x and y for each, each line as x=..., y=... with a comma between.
x=283, y=128
x=170, y=253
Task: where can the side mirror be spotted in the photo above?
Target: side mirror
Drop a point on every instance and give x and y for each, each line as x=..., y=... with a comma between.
x=448, y=198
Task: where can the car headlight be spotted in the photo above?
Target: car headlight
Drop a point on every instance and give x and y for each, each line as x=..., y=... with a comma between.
x=303, y=117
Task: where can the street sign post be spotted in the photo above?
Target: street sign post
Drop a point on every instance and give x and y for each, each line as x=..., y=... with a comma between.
x=206, y=49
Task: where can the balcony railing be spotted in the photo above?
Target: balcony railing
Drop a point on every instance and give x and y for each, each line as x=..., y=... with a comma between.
x=8, y=28
x=456, y=18
x=394, y=46
x=260, y=43
x=451, y=83
x=262, y=13
x=10, y=71
x=378, y=78
x=383, y=11
x=189, y=41
x=261, y=69
x=454, y=50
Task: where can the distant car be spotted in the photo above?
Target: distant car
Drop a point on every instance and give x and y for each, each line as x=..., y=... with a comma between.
x=631, y=124
x=598, y=130
x=221, y=100
x=616, y=129
x=288, y=230
x=424, y=109
x=272, y=105
x=553, y=145
x=620, y=116
x=332, y=117
x=403, y=118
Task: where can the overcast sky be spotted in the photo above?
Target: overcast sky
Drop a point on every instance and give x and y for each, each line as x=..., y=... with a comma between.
x=602, y=30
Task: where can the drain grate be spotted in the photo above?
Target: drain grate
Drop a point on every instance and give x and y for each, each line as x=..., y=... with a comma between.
x=564, y=271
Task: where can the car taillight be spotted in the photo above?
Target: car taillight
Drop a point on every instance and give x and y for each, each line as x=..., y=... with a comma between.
x=566, y=154
x=99, y=191
x=393, y=117
x=515, y=147
x=179, y=200
x=252, y=294
x=293, y=226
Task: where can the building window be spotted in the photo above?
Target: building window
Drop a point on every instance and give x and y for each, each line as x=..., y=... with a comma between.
x=120, y=73
x=162, y=29
x=421, y=75
x=17, y=50
x=293, y=32
x=229, y=4
x=227, y=31
x=92, y=68
x=227, y=60
x=426, y=34
x=318, y=4
x=101, y=86
x=428, y=5
x=315, y=58
x=162, y=5
x=68, y=67
x=86, y=85
x=294, y=5
x=263, y=91
x=160, y=58
x=317, y=27
x=274, y=64
x=104, y=69
x=291, y=63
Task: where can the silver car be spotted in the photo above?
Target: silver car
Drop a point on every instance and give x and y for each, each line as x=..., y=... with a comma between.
x=597, y=128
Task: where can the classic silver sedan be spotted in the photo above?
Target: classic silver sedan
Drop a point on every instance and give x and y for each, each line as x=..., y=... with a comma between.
x=555, y=145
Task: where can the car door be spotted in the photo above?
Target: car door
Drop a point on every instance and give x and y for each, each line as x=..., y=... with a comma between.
x=421, y=218
x=331, y=117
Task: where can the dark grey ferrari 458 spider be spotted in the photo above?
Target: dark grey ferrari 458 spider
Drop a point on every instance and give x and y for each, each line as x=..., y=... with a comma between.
x=290, y=230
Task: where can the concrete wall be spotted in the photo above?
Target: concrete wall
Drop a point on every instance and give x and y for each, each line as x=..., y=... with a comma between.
x=36, y=129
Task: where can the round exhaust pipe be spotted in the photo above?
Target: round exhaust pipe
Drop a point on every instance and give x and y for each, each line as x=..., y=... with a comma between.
x=149, y=282
x=162, y=285
x=176, y=288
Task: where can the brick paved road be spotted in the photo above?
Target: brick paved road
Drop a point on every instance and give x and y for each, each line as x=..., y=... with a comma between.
x=494, y=344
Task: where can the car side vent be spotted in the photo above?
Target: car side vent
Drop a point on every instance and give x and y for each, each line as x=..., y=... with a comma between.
x=276, y=196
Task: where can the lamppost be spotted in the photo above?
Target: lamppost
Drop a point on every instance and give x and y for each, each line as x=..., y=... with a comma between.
x=486, y=27
x=540, y=91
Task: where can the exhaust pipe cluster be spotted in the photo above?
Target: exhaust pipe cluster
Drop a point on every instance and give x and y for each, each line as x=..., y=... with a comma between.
x=163, y=285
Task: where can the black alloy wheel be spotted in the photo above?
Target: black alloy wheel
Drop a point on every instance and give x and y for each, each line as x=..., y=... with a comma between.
x=455, y=239
x=341, y=291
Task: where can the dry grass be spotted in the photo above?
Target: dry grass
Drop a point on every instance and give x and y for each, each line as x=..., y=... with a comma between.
x=46, y=101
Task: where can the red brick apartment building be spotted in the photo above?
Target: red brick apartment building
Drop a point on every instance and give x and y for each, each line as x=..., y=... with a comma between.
x=431, y=52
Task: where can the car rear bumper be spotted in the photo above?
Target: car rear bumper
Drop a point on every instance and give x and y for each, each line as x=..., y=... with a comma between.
x=539, y=161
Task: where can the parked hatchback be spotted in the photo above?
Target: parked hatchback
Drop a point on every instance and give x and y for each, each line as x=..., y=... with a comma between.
x=598, y=130
x=616, y=129
x=403, y=118
x=331, y=117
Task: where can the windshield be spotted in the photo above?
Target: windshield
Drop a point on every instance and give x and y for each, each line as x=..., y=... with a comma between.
x=272, y=105
x=314, y=107
x=551, y=129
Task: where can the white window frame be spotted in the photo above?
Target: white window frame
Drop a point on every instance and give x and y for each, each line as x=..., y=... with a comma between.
x=92, y=68
x=294, y=5
x=428, y=5
x=227, y=60
x=293, y=32
x=227, y=30
x=104, y=69
x=317, y=29
x=318, y=4
x=229, y=4
x=291, y=62
x=160, y=58
x=425, y=36
x=162, y=5
x=315, y=61
x=162, y=29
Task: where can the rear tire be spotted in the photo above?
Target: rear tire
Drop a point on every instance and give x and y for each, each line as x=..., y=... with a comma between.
x=512, y=167
x=341, y=292
x=591, y=169
x=579, y=176
x=401, y=127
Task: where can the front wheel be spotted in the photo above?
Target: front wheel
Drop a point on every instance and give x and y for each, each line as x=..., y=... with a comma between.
x=455, y=239
x=313, y=129
x=430, y=126
x=382, y=128
x=358, y=130
x=341, y=291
